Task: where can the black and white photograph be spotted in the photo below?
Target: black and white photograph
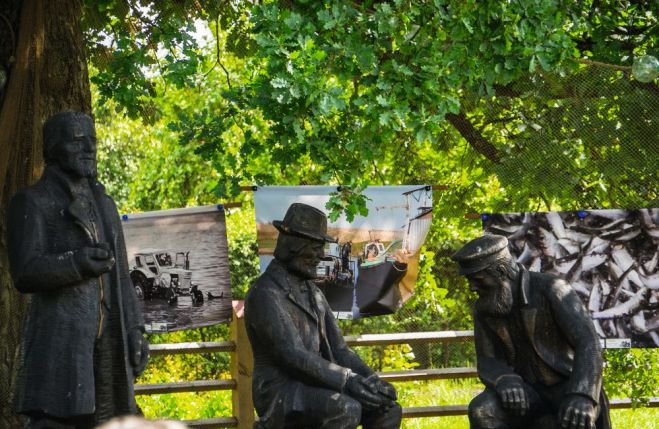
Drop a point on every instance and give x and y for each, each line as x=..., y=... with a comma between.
x=372, y=268
x=610, y=258
x=178, y=261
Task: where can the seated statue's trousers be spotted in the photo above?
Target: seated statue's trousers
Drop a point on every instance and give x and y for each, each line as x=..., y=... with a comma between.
x=319, y=408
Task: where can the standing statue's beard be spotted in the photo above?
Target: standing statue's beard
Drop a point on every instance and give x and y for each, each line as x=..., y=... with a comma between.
x=80, y=167
x=496, y=303
x=85, y=168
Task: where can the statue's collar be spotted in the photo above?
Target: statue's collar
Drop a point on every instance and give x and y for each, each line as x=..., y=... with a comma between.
x=287, y=279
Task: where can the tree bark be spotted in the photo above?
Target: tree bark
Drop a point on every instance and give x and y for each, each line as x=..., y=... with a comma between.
x=48, y=75
x=473, y=136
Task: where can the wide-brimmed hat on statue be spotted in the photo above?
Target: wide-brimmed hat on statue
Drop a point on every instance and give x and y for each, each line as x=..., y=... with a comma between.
x=481, y=253
x=304, y=221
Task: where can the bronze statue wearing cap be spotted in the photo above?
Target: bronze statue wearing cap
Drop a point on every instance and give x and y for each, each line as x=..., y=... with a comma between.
x=536, y=348
x=304, y=374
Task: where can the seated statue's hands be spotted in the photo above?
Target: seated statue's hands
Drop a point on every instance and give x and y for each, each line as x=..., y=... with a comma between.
x=360, y=389
x=94, y=261
x=138, y=348
x=577, y=412
x=382, y=387
x=513, y=395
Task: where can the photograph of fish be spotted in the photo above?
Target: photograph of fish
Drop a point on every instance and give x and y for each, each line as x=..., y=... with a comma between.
x=610, y=258
x=178, y=263
x=372, y=268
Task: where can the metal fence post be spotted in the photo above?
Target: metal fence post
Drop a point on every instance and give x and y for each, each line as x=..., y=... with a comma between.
x=242, y=364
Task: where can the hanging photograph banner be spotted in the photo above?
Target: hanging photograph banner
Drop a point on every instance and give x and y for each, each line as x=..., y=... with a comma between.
x=179, y=266
x=373, y=267
x=609, y=257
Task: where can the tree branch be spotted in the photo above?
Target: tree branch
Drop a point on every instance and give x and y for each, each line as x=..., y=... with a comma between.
x=601, y=64
x=473, y=136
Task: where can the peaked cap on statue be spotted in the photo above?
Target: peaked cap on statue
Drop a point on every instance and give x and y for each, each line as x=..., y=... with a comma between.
x=304, y=221
x=481, y=253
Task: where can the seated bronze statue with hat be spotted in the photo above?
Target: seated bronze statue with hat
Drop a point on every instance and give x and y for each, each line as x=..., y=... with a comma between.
x=536, y=348
x=304, y=374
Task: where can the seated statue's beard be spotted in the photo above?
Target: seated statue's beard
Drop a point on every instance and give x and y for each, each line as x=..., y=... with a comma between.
x=302, y=268
x=497, y=303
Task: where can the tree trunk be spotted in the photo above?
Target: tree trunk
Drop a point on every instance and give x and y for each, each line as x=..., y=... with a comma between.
x=48, y=75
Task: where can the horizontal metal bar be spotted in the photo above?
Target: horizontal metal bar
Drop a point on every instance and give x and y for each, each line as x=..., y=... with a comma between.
x=357, y=340
x=215, y=423
x=621, y=403
x=181, y=211
x=428, y=374
x=185, y=386
x=187, y=348
x=435, y=411
x=410, y=337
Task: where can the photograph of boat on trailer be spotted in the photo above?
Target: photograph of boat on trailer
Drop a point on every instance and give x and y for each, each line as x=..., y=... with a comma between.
x=372, y=268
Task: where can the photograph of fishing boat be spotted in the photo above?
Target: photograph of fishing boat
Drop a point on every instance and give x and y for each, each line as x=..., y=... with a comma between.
x=178, y=263
x=373, y=267
x=610, y=257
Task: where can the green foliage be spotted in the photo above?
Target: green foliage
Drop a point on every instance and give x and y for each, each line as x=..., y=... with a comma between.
x=398, y=92
x=348, y=201
x=243, y=251
x=516, y=106
x=130, y=43
x=145, y=168
x=396, y=357
x=632, y=374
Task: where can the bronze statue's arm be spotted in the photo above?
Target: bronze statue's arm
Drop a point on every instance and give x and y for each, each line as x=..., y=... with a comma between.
x=490, y=360
x=268, y=316
x=575, y=323
x=342, y=353
x=33, y=269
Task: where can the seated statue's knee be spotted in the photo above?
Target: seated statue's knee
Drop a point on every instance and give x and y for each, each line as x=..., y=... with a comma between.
x=351, y=409
x=393, y=416
x=345, y=410
x=484, y=411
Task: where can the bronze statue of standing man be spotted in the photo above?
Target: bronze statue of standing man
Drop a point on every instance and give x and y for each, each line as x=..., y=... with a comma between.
x=304, y=374
x=83, y=341
x=537, y=351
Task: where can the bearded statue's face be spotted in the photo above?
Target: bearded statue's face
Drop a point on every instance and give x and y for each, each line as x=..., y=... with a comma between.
x=304, y=263
x=495, y=293
x=76, y=149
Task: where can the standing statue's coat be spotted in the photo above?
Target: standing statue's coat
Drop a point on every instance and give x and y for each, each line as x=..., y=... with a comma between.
x=56, y=376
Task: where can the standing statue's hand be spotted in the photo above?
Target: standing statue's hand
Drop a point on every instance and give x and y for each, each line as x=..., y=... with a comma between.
x=359, y=389
x=94, y=261
x=513, y=396
x=577, y=412
x=138, y=348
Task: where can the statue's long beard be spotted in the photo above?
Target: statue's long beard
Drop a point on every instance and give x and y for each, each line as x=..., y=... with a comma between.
x=497, y=303
x=80, y=168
